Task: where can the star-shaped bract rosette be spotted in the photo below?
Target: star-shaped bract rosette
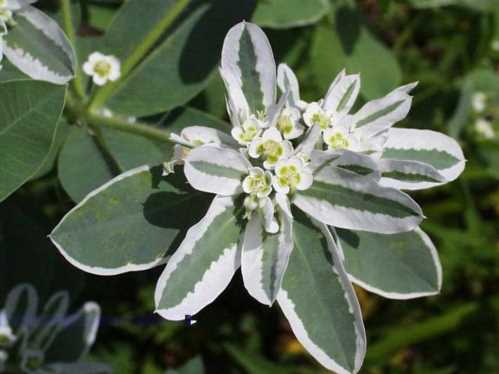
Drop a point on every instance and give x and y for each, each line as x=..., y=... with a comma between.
x=275, y=196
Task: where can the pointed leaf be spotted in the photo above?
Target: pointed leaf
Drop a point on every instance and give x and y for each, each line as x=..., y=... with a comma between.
x=265, y=256
x=319, y=302
x=38, y=47
x=77, y=334
x=409, y=175
x=21, y=307
x=397, y=266
x=287, y=81
x=216, y=169
x=342, y=93
x=248, y=59
x=433, y=148
x=204, y=263
x=29, y=113
x=343, y=199
x=127, y=224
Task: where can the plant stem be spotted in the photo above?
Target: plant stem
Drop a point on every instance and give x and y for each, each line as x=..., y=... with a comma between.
x=121, y=124
x=76, y=83
x=102, y=95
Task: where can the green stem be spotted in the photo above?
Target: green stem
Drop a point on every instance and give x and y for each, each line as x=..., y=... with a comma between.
x=102, y=95
x=121, y=124
x=76, y=83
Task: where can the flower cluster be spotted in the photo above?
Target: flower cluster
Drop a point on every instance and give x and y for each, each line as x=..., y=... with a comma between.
x=29, y=341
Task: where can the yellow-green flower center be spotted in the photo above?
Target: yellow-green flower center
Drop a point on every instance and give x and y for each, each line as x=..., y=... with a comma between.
x=288, y=176
x=258, y=183
x=270, y=150
x=285, y=124
x=337, y=141
x=102, y=68
x=322, y=120
x=249, y=132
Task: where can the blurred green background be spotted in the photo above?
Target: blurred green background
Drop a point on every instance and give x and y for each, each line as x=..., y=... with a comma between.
x=452, y=48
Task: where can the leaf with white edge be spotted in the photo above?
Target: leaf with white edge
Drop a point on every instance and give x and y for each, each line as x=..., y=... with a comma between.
x=48, y=323
x=248, y=59
x=409, y=175
x=380, y=114
x=282, y=14
x=38, y=47
x=342, y=93
x=265, y=256
x=77, y=334
x=287, y=82
x=344, y=199
x=21, y=307
x=29, y=114
x=398, y=266
x=203, y=265
x=429, y=147
x=216, y=169
x=319, y=302
x=127, y=224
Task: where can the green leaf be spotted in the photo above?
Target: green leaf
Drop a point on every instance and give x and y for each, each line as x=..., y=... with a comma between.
x=281, y=14
x=29, y=113
x=38, y=47
x=203, y=265
x=398, y=266
x=87, y=161
x=180, y=67
x=347, y=43
x=319, y=302
x=127, y=224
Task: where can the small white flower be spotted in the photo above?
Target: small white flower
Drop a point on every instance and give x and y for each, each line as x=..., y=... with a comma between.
x=495, y=45
x=258, y=182
x=270, y=147
x=292, y=175
x=316, y=115
x=102, y=68
x=246, y=133
x=337, y=138
x=478, y=102
x=289, y=123
x=484, y=129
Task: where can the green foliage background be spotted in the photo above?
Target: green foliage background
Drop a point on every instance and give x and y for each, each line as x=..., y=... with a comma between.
x=447, y=47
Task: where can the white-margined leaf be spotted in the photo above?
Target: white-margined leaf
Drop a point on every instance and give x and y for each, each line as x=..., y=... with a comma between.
x=430, y=147
x=287, y=82
x=357, y=163
x=127, y=224
x=344, y=199
x=265, y=256
x=77, y=334
x=38, y=47
x=319, y=302
x=342, y=93
x=397, y=266
x=203, y=265
x=216, y=169
x=409, y=175
x=247, y=57
x=380, y=114
x=21, y=307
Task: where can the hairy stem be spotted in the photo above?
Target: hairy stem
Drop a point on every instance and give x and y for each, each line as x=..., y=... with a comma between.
x=102, y=95
x=77, y=83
